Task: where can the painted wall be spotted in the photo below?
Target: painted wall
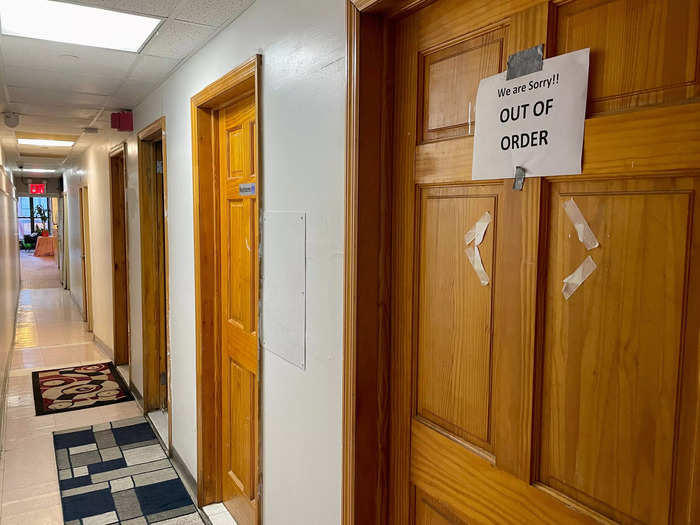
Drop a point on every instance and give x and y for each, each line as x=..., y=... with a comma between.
x=9, y=280
x=92, y=169
x=303, y=111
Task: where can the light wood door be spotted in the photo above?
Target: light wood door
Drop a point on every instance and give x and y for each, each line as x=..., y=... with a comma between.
x=239, y=308
x=510, y=403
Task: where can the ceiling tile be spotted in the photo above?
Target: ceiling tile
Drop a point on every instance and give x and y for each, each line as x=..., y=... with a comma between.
x=47, y=96
x=211, y=12
x=131, y=94
x=144, y=7
x=52, y=110
x=152, y=69
x=177, y=39
x=55, y=56
x=83, y=83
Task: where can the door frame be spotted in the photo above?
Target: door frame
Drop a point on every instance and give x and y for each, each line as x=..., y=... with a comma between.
x=153, y=287
x=86, y=260
x=120, y=261
x=204, y=106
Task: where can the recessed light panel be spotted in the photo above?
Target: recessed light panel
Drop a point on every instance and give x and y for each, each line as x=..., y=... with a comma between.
x=75, y=24
x=46, y=143
x=37, y=170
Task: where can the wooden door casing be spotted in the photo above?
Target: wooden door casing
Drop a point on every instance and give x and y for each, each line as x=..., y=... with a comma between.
x=508, y=403
x=120, y=279
x=239, y=308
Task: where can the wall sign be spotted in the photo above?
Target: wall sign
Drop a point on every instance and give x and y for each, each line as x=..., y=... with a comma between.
x=534, y=121
x=247, y=189
x=37, y=189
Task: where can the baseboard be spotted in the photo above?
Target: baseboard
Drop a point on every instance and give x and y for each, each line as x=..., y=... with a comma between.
x=187, y=478
x=137, y=395
x=103, y=346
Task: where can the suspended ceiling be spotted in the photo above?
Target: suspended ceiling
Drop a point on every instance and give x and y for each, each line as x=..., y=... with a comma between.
x=59, y=89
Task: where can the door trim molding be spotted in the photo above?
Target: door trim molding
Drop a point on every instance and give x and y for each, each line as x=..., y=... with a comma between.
x=205, y=184
x=151, y=380
x=366, y=311
x=119, y=150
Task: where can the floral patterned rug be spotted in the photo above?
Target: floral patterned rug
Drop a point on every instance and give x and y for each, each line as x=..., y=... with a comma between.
x=77, y=387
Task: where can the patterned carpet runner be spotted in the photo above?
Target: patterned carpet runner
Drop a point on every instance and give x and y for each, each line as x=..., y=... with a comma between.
x=118, y=473
x=77, y=387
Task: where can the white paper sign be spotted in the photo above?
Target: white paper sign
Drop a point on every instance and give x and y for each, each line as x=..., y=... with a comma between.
x=534, y=121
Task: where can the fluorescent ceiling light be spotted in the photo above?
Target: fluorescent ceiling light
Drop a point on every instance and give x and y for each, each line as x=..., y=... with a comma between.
x=75, y=24
x=38, y=170
x=46, y=143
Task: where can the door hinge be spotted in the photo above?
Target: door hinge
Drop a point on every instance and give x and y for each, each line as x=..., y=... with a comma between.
x=163, y=378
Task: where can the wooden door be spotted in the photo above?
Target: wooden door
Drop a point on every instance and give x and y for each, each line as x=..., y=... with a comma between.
x=85, y=256
x=509, y=402
x=239, y=308
x=154, y=264
x=162, y=274
x=120, y=280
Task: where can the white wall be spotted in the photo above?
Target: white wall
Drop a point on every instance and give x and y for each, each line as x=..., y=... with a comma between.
x=9, y=280
x=92, y=169
x=303, y=111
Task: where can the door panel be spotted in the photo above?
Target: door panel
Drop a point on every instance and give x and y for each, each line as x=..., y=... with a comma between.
x=509, y=403
x=239, y=293
x=618, y=33
x=454, y=354
x=612, y=351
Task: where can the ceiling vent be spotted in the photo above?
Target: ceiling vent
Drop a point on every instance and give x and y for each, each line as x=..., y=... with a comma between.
x=91, y=130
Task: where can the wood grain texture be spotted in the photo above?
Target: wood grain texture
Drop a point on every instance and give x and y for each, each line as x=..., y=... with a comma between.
x=435, y=473
x=153, y=226
x=450, y=79
x=239, y=278
x=612, y=352
x=626, y=72
x=402, y=283
x=350, y=507
x=454, y=353
x=120, y=278
x=470, y=486
x=206, y=107
x=207, y=298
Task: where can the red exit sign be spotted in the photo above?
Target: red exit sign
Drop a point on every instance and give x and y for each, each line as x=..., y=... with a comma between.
x=37, y=189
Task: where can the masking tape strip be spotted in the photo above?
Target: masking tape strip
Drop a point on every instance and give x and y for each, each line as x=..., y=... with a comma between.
x=573, y=281
x=475, y=259
x=476, y=235
x=585, y=234
x=478, y=231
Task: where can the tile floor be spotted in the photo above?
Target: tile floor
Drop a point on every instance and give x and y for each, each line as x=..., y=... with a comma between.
x=38, y=272
x=50, y=334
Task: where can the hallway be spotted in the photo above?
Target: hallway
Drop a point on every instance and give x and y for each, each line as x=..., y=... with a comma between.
x=38, y=272
x=50, y=334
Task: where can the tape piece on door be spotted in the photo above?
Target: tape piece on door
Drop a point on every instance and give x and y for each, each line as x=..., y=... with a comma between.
x=573, y=281
x=585, y=234
x=476, y=235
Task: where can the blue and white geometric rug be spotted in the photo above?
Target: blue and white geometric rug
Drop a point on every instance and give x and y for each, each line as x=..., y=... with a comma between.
x=118, y=473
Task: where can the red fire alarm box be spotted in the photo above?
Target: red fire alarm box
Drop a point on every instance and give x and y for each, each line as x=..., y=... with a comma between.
x=123, y=121
x=37, y=189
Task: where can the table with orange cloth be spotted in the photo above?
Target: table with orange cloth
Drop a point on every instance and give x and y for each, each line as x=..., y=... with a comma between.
x=45, y=246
